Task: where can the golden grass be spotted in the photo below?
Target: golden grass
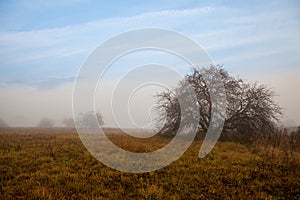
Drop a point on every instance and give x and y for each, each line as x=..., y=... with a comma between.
x=54, y=164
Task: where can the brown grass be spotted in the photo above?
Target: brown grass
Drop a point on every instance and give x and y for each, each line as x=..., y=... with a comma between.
x=53, y=164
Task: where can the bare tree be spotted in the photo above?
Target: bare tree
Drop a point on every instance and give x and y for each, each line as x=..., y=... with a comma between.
x=3, y=124
x=249, y=107
x=253, y=109
x=88, y=120
x=46, y=123
x=68, y=122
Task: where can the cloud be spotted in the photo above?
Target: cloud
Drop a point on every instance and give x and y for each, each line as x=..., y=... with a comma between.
x=57, y=48
x=46, y=54
x=258, y=53
x=50, y=83
x=170, y=13
x=78, y=39
x=258, y=28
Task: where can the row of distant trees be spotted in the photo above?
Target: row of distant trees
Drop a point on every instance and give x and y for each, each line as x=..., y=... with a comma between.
x=3, y=124
x=82, y=120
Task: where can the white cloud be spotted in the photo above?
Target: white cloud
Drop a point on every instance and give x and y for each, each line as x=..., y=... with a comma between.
x=180, y=13
x=46, y=84
x=258, y=53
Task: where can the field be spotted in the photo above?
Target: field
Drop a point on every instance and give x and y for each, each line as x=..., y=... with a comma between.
x=54, y=164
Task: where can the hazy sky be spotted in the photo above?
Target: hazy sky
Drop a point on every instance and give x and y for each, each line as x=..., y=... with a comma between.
x=44, y=43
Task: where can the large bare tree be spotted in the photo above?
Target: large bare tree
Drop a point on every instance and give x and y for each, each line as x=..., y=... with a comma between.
x=249, y=107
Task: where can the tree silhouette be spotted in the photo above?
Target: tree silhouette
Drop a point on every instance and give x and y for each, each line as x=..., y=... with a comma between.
x=88, y=120
x=46, y=123
x=249, y=107
x=68, y=122
x=3, y=124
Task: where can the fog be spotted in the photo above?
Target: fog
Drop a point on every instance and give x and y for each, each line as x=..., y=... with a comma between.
x=25, y=105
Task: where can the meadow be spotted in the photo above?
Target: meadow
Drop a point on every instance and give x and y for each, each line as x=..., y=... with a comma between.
x=38, y=163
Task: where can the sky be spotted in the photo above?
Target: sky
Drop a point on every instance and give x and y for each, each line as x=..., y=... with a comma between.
x=43, y=44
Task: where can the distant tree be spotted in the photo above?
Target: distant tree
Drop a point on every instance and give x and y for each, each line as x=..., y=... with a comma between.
x=88, y=120
x=3, y=124
x=46, y=123
x=99, y=118
x=249, y=107
x=68, y=122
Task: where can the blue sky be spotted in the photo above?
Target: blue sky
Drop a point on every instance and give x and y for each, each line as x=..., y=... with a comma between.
x=43, y=44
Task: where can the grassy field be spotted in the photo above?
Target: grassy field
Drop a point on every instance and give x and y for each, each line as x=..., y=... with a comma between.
x=54, y=164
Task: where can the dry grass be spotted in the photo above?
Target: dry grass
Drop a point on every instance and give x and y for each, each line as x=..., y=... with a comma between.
x=53, y=164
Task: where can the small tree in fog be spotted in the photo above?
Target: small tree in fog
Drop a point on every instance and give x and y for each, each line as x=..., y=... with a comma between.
x=3, y=124
x=88, y=120
x=46, y=123
x=99, y=118
x=69, y=123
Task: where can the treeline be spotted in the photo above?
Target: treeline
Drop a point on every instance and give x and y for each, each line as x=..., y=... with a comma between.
x=86, y=119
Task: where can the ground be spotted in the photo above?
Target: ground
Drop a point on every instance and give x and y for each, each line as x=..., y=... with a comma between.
x=54, y=164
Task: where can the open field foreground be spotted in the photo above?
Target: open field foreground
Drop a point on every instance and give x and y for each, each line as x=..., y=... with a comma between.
x=54, y=164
